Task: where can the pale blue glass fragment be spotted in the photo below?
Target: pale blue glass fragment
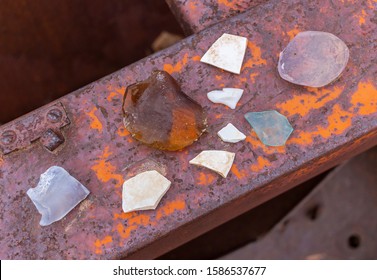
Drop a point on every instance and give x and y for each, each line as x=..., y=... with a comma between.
x=271, y=127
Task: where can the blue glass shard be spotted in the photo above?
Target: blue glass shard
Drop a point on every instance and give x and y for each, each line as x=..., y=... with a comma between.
x=272, y=128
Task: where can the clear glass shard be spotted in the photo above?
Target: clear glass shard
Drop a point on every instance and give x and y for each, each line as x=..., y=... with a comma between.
x=313, y=59
x=56, y=194
x=271, y=127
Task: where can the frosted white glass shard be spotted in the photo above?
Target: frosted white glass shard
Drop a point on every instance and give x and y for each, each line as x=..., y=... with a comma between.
x=231, y=134
x=227, y=96
x=227, y=53
x=218, y=161
x=144, y=191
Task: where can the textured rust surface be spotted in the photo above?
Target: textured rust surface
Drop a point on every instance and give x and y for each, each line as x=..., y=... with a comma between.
x=22, y=132
x=337, y=220
x=331, y=124
x=196, y=15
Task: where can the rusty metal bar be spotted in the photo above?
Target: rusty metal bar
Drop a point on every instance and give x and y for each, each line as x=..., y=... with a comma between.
x=197, y=15
x=331, y=124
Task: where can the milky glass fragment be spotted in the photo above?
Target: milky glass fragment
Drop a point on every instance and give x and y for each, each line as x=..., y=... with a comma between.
x=313, y=59
x=231, y=134
x=56, y=194
x=227, y=53
x=159, y=114
x=144, y=191
x=227, y=96
x=218, y=161
x=271, y=127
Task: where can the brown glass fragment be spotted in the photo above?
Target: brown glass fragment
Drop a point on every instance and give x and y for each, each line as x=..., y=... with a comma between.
x=159, y=114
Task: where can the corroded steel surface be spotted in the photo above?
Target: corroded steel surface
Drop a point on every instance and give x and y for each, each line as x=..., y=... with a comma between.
x=337, y=220
x=331, y=124
x=196, y=15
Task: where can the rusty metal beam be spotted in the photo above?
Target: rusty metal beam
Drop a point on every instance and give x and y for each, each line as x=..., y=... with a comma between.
x=197, y=15
x=331, y=124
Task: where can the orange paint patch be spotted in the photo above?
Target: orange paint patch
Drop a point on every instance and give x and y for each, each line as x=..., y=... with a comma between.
x=123, y=132
x=100, y=243
x=205, y=179
x=125, y=232
x=292, y=33
x=177, y=67
x=95, y=123
x=256, y=56
x=260, y=164
x=365, y=99
x=338, y=122
x=302, y=104
x=192, y=6
x=240, y=174
x=227, y=3
x=196, y=58
x=105, y=171
x=253, y=76
x=257, y=144
x=218, y=116
x=362, y=17
x=218, y=77
x=170, y=207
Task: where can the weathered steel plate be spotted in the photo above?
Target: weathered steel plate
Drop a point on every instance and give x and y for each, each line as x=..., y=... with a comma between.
x=331, y=124
x=337, y=220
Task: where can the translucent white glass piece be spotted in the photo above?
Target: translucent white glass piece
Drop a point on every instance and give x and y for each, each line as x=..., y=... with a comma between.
x=56, y=194
x=231, y=134
x=218, y=161
x=227, y=53
x=144, y=191
x=227, y=96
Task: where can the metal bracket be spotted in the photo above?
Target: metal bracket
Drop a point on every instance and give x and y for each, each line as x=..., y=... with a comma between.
x=43, y=124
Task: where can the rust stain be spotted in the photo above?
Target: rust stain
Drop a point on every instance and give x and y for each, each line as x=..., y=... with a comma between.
x=253, y=76
x=105, y=171
x=302, y=104
x=365, y=99
x=205, y=179
x=228, y=3
x=95, y=123
x=192, y=6
x=124, y=232
x=177, y=67
x=170, y=207
x=240, y=174
x=100, y=243
x=338, y=122
x=196, y=58
x=256, y=56
x=260, y=164
x=218, y=77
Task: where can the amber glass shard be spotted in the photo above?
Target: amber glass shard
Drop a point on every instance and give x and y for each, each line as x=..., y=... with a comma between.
x=159, y=114
x=313, y=59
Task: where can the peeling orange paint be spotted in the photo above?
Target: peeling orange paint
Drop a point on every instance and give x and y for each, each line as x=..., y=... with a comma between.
x=95, y=123
x=218, y=77
x=218, y=116
x=192, y=6
x=253, y=76
x=196, y=58
x=205, y=179
x=257, y=144
x=124, y=232
x=362, y=17
x=365, y=99
x=260, y=164
x=227, y=3
x=105, y=171
x=170, y=207
x=293, y=32
x=99, y=243
x=302, y=104
x=256, y=56
x=338, y=122
x=177, y=67
x=240, y=174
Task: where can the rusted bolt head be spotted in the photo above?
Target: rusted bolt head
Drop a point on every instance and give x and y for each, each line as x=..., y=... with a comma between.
x=8, y=137
x=54, y=115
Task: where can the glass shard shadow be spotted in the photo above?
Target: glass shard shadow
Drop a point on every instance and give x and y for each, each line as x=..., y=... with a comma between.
x=271, y=127
x=56, y=194
x=313, y=59
x=159, y=114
